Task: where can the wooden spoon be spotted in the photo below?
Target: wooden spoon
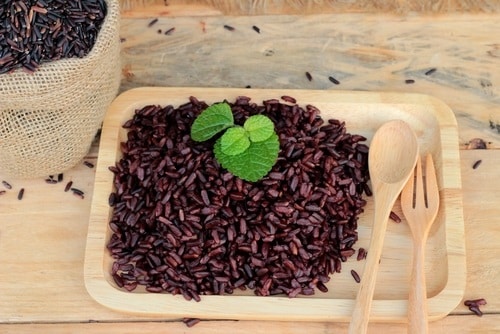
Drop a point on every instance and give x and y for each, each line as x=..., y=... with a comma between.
x=392, y=158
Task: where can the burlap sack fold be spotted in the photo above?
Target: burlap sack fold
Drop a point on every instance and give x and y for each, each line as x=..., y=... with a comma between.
x=48, y=119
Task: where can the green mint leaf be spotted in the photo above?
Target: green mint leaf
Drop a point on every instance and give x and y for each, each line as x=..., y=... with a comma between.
x=259, y=127
x=254, y=163
x=234, y=141
x=211, y=121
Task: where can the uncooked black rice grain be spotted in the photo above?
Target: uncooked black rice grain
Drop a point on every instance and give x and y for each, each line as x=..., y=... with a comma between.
x=112, y=199
x=361, y=254
x=333, y=80
x=60, y=177
x=288, y=99
x=476, y=144
x=409, y=81
x=190, y=322
x=430, y=71
x=7, y=185
x=479, y=301
x=355, y=275
x=228, y=27
x=394, y=217
x=68, y=186
x=309, y=76
x=88, y=164
x=257, y=29
x=476, y=164
x=77, y=191
x=170, y=31
x=475, y=309
x=20, y=195
x=152, y=22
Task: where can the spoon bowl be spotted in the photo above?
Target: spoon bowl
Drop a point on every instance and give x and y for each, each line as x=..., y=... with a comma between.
x=393, y=153
x=391, y=160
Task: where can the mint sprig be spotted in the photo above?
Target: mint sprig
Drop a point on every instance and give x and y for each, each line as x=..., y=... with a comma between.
x=249, y=151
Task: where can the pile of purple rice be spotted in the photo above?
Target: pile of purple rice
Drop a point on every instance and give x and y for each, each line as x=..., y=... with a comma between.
x=37, y=31
x=182, y=224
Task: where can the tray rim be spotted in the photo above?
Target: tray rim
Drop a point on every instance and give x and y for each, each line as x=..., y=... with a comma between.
x=310, y=309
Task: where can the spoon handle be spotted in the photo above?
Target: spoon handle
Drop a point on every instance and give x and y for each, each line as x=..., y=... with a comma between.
x=417, y=300
x=361, y=313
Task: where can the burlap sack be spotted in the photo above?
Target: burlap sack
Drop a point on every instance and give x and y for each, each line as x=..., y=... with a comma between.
x=48, y=119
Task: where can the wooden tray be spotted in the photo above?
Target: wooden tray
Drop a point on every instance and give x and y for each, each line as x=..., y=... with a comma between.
x=436, y=128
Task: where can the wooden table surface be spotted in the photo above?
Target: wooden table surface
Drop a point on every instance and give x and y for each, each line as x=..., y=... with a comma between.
x=42, y=237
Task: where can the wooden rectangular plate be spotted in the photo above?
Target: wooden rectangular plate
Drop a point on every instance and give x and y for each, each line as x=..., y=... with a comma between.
x=436, y=129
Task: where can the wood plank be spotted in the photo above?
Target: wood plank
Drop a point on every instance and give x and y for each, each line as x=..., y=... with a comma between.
x=482, y=229
x=470, y=324
x=137, y=9
x=200, y=52
x=263, y=7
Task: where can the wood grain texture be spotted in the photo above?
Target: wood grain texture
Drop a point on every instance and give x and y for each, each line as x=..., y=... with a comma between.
x=363, y=52
x=266, y=7
x=469, y=324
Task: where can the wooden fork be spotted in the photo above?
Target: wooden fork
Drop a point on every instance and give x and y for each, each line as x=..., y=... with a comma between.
x=420, y=204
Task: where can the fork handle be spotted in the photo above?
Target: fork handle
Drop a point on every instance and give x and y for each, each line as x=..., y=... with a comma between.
x=417, y=300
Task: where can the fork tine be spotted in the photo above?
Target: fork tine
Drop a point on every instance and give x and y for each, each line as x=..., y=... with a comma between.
x=431, y=183
x=408, y=194
x=419, y=191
